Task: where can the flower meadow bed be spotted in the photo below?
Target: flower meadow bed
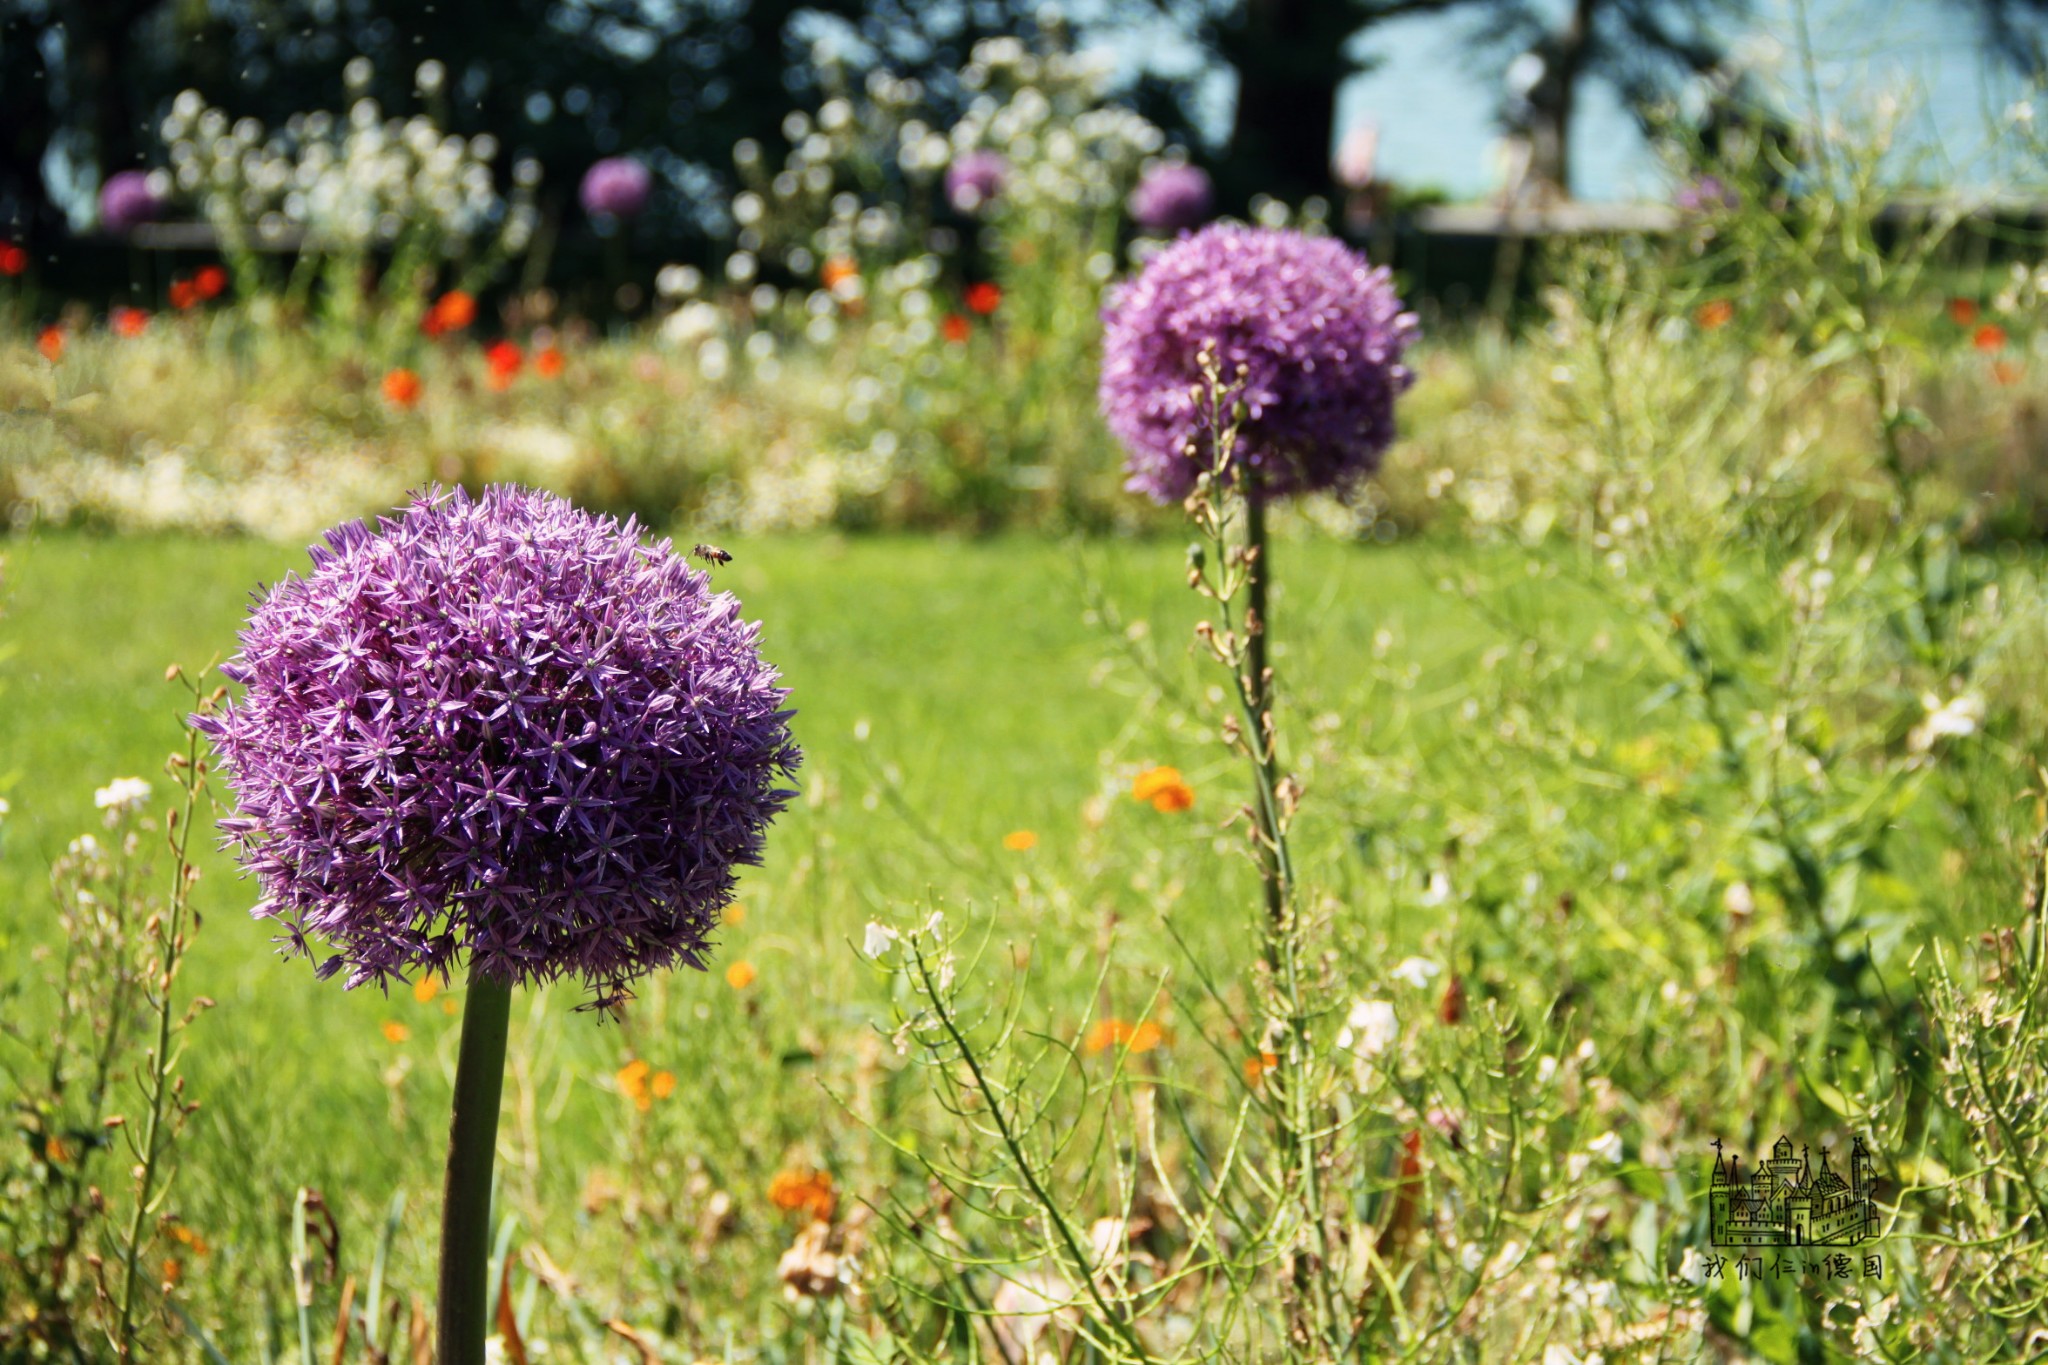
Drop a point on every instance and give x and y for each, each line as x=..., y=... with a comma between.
x=1292, y=946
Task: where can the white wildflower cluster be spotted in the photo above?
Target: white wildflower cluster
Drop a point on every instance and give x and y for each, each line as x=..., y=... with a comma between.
x=1047, y=116
x=121, y=798
x=861, y=173
x=347, y=181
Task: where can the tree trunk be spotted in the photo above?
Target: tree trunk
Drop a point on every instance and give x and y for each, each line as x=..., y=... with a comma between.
x=1289, y=56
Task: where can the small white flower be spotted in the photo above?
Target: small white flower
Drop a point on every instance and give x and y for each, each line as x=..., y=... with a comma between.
x=879, y=939
x=935, y=923
x=1439, y=889
x=1371, y=1028
x=1692, y=1268
x=1952, y=719
x=120, y=796
x=1607, y=1146
x=1416, y=971
x=1738, y=900
x=5, y=809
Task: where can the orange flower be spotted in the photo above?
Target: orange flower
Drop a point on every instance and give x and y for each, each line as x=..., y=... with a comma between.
x=954, y=328
x=401, y=388
x=740, y=975
x=503, y=357
x=663, y=1084
x=1020, y=841
x=836, y=271
x=632, y=1079
x=1104, y=1034
x=1962, y=312
x=452, y=312
x=182, y=1234
x=51, y=343
x=426, y=988
x=184, y=294
x=1257, y=1067
x=1164, y=788
x=1990, y=338
x=395, y=1032
x=211, y=281
x=735, y=914
x=1714, y=313
x=984, y=298
x=2006, y=371
x=128, y=322
x=13, y=259
x=56, y=1151
x=804, y=1191
x=173, y=1272
x=547, y=362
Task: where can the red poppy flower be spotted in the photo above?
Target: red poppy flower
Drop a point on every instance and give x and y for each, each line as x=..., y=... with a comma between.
x=184, y=294
x=1988, y=338
x=547, y=362
x=452, y=312
x=51, y=343
x=2006, y=371
x=1962, y=312
x=984, y=298
x=401, y=388
x=13, y=259
x=504, y=358
x=128, y=322
x=211, y=281
x=954, y=328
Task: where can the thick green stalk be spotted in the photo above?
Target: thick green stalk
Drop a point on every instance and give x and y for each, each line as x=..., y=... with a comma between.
x=465, y=1319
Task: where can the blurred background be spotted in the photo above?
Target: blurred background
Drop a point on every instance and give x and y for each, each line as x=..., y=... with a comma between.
x=1396, y=104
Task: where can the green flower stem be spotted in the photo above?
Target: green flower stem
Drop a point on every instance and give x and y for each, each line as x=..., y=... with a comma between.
x=472, y=1149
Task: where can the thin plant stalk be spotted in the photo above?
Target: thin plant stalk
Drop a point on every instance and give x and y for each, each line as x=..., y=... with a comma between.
x=1241, y=647
x=159, y=1087
x=465, y=1319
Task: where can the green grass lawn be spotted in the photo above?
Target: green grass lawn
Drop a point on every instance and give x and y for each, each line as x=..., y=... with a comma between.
x=1499, y=786
x=991, y=699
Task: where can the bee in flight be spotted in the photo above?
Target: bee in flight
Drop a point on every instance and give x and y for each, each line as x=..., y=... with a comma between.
x=711, y=554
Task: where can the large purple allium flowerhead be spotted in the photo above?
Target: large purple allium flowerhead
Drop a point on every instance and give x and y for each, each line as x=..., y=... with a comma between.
x=1308, y=337
x=127, y=201
x=506, y=728
x=974, y=179
x=617, y=187
x=1172, y=197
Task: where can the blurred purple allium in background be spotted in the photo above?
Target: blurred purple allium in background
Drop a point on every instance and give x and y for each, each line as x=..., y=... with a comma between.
x=974, y=178
x=1172, y=197
x=1706, y=194
x=617, y=187
x=506, y=728
x=1320, y=334
x=127, y=201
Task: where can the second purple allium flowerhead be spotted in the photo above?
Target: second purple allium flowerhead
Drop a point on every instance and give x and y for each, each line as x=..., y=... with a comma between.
x=127, y=201
x=974, y=178
x=1308, y=337
x=1171, y=197
x=616, y=187
x=504, y=728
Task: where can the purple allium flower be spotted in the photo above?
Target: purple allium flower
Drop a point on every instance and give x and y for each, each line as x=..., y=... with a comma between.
x=127, y=201
x=617, y=186
x=1172, y=197
x=1707, y=194
x=974, y=178
x=1318, y=331
x=504, y=727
